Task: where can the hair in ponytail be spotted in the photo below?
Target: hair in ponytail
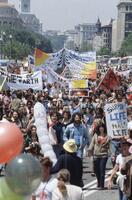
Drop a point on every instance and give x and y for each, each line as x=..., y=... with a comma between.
x=63, y=177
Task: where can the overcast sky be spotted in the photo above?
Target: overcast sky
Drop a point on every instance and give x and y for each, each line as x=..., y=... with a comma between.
x=65, y=14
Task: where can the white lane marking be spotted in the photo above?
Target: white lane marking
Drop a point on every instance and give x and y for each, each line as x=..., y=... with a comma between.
x=93, y=185
x=95, y=181
x=87, y=193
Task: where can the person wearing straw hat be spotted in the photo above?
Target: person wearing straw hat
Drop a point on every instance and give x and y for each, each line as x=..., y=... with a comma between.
x=71, y=162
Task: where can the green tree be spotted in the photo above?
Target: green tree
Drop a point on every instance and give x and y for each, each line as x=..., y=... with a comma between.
x=126, y=48
x=23, y=42
x=16, y=50
x=86, y=46
x=103, y=51
x=57, y=42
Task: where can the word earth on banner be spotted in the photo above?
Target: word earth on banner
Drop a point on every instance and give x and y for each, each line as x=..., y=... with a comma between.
x=25, y=81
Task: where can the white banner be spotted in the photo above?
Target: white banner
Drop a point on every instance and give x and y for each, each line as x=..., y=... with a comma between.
x=116, y=119
x=23, y=82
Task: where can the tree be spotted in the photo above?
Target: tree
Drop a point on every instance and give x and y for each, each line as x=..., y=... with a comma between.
x=16, y=50
x=86, y=46
x=103, y=51
x=57, y=42
x=126, y=48
x=23, y=42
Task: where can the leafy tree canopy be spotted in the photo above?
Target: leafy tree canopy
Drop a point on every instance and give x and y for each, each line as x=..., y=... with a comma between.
x=18, y=44
x=126, y=48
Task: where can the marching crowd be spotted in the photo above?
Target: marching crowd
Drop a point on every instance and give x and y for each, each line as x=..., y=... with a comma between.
x=76, y=126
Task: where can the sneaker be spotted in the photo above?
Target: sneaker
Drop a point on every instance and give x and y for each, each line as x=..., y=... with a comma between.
x=93, y=174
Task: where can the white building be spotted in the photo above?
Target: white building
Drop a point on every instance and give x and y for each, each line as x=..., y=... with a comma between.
x=124, y=21
x=85, y=33
x=30, y=20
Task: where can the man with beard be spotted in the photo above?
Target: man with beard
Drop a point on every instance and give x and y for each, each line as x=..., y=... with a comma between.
x=78, y=132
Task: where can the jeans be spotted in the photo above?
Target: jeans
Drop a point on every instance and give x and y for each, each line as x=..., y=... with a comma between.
x=122, y=196
x=115, y=147
x=99, y=167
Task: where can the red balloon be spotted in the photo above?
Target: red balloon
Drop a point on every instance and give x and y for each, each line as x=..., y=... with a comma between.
x=11, y=141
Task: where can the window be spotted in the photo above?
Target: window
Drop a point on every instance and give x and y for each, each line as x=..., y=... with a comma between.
x=127, y=8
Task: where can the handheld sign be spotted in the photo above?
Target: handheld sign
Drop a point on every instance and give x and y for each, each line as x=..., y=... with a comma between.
x=116, y=119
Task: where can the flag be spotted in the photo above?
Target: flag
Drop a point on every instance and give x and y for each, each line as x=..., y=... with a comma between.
x=109, y=81
x=40, y=57
x=3, y=85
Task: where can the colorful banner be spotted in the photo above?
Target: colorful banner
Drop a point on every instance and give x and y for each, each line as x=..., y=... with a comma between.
x=89, y=71
x=82, y=66
x=109, y=81
x=40, y=57
x=23, y=82
x=79, y=93
x=78, y=84
x=116, y=119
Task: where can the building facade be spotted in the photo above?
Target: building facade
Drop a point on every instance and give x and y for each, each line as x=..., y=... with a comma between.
x=103, y=36
x=106, y=31
x=124, y=21
x=9, y=16
x=85, y=33
x=25, y=6
x=30, y=20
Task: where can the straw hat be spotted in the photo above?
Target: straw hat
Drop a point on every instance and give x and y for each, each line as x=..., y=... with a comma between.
x=70, y=146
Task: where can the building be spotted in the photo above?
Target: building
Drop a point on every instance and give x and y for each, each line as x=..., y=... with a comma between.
x=114, y=36
x=106, y=32
x=124, y=21
x=30, y=20
x=25, y=6
x=85, y=34
x=70, y=39
x=9, y=16
x=103, y=36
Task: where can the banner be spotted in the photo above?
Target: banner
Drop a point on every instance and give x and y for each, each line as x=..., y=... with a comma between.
x=116, y=119
x=2, y=83
x=78, y=84
x=82, y=66
x=109, y=81
x=23, y=82
x=79, y=93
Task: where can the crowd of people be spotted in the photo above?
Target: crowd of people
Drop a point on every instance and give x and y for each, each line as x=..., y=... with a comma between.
x=76, y=126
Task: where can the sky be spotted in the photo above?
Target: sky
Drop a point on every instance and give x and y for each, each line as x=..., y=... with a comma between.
x=65, y=14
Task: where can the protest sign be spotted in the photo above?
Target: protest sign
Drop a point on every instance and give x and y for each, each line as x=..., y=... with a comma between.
x=78, y=84
x=23, y=82
x=116, y=119
x=79, y=92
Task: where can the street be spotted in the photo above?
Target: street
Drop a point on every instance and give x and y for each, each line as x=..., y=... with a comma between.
x=90, y=190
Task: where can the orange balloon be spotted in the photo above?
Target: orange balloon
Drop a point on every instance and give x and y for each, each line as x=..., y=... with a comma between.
x=11, y=141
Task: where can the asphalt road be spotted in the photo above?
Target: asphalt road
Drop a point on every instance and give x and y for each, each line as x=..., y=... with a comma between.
x=90, y=190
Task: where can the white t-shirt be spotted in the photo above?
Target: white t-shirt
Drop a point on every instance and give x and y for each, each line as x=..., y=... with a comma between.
x=45, y=189
x=120, y=161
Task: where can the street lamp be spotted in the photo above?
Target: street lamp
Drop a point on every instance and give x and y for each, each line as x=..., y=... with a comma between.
x=4, y=35
x=10, y=37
